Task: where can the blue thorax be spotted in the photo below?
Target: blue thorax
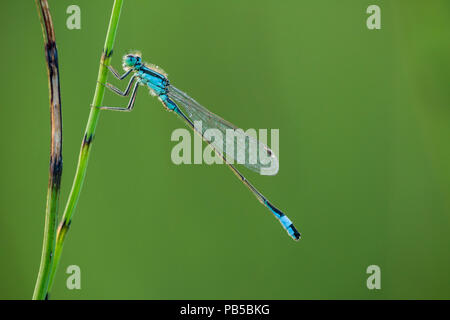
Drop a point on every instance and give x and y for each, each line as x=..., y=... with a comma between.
x=157, y=82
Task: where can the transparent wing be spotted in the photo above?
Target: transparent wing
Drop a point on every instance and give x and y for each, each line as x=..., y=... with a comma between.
x=236, y=145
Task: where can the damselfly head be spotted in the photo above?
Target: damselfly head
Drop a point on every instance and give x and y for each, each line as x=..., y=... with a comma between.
x=131, y=60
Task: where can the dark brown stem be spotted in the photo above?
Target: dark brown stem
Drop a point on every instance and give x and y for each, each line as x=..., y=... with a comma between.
x=55, y=170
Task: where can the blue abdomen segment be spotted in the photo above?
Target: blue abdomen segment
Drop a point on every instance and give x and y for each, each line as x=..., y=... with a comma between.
x=168, y=103
x=284, y=220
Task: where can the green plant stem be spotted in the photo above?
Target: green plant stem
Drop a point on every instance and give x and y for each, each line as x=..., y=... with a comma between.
x=55, y=169
x=88, y=138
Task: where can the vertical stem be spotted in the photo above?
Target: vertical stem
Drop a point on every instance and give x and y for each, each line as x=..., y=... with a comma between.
x=55, y=170
x=88, y=138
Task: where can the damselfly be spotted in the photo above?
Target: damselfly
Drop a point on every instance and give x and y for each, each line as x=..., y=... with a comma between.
x=192, y=112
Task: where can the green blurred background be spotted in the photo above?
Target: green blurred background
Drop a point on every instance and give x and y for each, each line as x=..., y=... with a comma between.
x=364, y=151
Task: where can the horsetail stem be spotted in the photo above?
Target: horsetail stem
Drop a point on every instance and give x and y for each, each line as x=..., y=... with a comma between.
x=87, y=139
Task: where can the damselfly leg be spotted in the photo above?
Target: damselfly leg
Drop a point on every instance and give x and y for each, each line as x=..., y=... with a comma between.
x=120, y=92
x=117, y=75
x=123, y=93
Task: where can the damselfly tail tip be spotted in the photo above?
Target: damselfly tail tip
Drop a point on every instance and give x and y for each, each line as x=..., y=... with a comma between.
x=294, y=233
x=284, y=220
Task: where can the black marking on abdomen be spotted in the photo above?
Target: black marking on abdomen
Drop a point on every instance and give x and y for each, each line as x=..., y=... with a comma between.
x=297, y=234
x=281, y=214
